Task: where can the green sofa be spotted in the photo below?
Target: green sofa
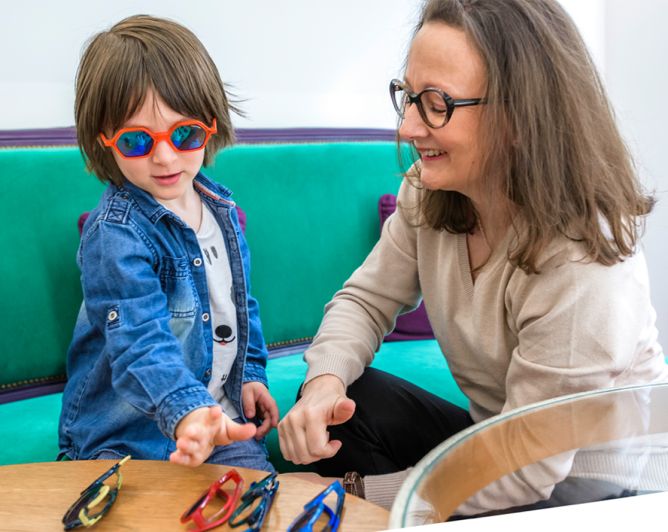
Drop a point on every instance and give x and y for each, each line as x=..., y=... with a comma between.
x=310, y=197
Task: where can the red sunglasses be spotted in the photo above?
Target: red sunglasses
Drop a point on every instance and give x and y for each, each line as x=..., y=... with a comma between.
x=140, y=142
x=207, y=513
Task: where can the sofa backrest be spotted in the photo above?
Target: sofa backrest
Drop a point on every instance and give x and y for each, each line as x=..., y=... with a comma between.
x=311, y=219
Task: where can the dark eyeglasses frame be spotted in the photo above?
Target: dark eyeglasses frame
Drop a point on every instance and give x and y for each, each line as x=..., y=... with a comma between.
x=315, y=507
x=195, y=512
x=78, y=514
x=159, y=136
x=416, y=98
x=266, y=489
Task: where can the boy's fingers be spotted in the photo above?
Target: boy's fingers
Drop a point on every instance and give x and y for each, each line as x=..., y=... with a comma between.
x=249, y=411
x=177, y=457
x=273, y=414
x=263, y=429
x=237, y=432
x=215, y=413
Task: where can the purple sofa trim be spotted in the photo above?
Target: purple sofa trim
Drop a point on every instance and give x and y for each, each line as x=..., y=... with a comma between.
x=287, y=350
x=28, y=392
x=37, y=390
x=66, y=136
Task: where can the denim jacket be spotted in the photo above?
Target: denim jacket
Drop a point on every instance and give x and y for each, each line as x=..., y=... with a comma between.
x=142, y=348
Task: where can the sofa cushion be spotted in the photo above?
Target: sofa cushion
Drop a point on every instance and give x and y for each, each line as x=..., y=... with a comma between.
x=293, y=194
x=413, y=325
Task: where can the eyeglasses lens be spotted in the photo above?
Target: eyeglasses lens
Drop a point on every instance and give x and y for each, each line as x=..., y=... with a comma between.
x=252, y=513
x=135, y=143
x=71, y=518
x=302, y=521
x=399, y=99
x=95, y=503
x=216, y=506
x=431, y=105
x=325, y=521
x=190, y=510
x=434, y=108
x=190, y=137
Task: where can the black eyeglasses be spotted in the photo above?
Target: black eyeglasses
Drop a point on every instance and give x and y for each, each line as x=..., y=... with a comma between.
x=255, y=504
x=84, y=511
x=434, y=105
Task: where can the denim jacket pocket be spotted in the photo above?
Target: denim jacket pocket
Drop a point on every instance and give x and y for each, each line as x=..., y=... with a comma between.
x=178, y=285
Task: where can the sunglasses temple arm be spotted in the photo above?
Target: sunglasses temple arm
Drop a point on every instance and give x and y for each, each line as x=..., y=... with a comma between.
x=108, y=143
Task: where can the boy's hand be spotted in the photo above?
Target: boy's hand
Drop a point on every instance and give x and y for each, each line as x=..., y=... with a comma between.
x=257, y=401
x=201, y=430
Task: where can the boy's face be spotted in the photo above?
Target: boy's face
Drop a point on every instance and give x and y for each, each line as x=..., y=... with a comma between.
x=167, y=174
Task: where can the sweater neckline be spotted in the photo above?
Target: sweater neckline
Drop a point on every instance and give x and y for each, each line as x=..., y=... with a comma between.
x=498, y=256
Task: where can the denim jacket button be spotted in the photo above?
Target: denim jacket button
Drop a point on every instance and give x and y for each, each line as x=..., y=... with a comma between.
x=197, y=262
x=112, y=315
x=205, y=316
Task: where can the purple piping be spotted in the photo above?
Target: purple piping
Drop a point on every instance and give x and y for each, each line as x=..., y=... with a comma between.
x=28, y=392
x=66, y=136
x=37, y=390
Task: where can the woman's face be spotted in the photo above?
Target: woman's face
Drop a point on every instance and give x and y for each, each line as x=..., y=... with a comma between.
x=442, y=57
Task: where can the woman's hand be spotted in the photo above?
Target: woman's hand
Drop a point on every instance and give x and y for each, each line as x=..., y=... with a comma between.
x=257, y=401
x=302, y=433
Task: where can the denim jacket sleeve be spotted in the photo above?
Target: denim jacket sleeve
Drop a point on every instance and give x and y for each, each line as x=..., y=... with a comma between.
x=256, y=353
x=125, y=302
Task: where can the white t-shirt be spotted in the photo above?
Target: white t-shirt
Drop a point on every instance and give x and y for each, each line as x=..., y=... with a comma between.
x=223, y=311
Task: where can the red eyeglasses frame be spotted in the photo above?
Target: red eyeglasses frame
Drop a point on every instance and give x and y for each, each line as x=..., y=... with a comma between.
x=194, y=513
x=159, y=136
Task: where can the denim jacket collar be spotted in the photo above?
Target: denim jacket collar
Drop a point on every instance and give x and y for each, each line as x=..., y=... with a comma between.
x=154, y=210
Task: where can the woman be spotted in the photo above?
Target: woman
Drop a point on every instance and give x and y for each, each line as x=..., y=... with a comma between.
x=518, y=226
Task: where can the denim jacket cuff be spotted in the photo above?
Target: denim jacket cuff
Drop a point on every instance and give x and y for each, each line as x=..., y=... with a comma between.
x=176, y=405
x=255, y=372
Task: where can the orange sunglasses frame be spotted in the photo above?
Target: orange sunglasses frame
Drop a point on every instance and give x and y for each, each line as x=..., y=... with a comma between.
x=159, y=136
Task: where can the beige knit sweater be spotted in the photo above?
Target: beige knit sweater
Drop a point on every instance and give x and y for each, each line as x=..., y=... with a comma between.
x=510, y=339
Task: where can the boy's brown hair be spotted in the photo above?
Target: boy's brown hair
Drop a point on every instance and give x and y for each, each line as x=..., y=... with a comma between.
x=551, y=143
x=140, y=53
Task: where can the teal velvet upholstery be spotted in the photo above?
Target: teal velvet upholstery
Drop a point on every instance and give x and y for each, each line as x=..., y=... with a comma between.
x=311, y=219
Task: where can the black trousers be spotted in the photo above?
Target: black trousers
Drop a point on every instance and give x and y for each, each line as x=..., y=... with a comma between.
x=395, y=424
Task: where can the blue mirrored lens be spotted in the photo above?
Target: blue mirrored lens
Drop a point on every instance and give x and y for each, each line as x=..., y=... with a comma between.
x=187, y=138
x=135, y=143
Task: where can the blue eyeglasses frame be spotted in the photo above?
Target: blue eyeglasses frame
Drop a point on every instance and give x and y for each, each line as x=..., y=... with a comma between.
x=315, y=507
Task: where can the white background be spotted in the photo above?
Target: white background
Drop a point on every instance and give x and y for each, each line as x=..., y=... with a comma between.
x=310, y=63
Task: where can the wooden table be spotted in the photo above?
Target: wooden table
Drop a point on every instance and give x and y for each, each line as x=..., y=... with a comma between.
x=153, y=496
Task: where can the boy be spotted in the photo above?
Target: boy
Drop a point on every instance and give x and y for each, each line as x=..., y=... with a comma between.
x=167, y=358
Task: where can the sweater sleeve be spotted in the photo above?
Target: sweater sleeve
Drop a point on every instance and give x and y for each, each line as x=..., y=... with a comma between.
x=383, y=489
x=364, y=310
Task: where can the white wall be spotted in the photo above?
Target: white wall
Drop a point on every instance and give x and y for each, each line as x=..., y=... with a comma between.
x=315, y=63
x=296, y=62
x=636, y=47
